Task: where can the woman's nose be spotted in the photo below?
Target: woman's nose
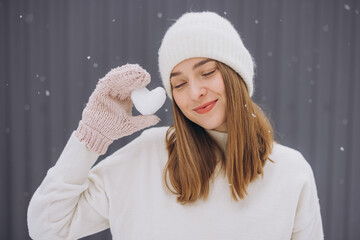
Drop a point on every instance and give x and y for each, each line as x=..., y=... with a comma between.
x=197, y=90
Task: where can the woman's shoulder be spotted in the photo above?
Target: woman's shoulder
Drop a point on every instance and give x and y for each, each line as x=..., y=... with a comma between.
x=154, y=134
x=289, y=160
x=149, y=145
x=152, y=137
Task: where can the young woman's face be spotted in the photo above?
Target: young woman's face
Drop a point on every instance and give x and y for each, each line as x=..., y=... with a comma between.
x=198, y=90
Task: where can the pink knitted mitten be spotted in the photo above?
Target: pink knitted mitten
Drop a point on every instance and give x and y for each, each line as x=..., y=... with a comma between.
x=107, y=115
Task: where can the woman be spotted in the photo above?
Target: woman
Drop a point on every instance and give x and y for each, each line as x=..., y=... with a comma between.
x=215, y=174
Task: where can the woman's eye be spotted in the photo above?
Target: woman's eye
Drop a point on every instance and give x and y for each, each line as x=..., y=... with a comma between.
x=208, y=74
x=179, y=85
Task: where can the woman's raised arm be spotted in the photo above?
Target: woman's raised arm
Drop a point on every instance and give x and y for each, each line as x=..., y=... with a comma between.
x=71, y=202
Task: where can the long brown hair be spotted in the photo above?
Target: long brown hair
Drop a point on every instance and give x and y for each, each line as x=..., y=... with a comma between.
x=193, y=154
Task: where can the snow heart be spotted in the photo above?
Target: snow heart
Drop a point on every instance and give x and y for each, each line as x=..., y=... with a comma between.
x=148, y=102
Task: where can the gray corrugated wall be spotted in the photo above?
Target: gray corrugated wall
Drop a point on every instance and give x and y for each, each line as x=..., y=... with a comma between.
x=307, y=80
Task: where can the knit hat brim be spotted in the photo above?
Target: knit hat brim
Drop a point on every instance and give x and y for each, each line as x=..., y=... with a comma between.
x=204, y=34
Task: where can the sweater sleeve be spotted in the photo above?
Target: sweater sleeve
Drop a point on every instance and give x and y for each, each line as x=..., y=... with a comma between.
x=71, y=201
x=308, y=223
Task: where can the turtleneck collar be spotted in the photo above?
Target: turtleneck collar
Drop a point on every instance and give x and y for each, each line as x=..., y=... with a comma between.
x=220, y=138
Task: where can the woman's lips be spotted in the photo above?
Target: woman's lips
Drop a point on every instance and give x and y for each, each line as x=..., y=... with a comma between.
x=205, y=107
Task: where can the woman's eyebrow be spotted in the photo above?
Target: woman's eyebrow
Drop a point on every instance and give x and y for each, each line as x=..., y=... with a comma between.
x=201, y=63
x=173, y=74
x=196, y=65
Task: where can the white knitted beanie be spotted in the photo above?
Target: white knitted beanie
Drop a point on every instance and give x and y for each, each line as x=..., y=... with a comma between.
x=204, y=34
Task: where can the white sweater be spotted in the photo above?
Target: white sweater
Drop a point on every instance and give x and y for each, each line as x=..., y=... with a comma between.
x=125, y=192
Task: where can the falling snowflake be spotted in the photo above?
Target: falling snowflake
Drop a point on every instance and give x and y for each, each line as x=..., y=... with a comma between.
x=225, y=13
x=113, y=20
x=342, y=149
x=325, y=28
x=21, y=16
x=345, y=121
x=166, y=110
x=95, y=65
x=256, y=21
x=47, y=93
x=88, y=57
x=347, y=7
x=159, y=15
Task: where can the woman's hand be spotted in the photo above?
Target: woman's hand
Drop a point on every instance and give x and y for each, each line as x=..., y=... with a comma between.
x=107, y=115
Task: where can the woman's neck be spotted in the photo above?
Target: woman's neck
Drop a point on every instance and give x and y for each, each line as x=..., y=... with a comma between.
x=220, y=138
